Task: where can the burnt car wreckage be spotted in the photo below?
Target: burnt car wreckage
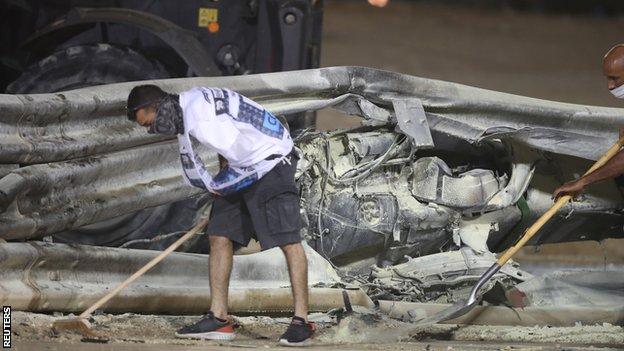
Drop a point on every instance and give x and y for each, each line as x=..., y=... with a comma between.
x=438, y=177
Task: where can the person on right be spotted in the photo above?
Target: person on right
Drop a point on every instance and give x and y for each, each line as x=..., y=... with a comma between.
x=613, y=69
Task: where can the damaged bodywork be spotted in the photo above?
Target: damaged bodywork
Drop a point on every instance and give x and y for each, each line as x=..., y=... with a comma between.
x=434, y=167
x=440, y=278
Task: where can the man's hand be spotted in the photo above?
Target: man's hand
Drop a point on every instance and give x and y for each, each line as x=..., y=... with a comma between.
x=223, y=163
x=570, y=188
x=378, y=3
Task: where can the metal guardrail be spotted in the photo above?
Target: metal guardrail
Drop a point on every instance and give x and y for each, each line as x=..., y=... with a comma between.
x=44, y=277
x=71, y=158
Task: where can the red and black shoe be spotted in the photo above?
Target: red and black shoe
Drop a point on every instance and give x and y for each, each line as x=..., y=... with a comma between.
x=298, y=334
x=208, y=328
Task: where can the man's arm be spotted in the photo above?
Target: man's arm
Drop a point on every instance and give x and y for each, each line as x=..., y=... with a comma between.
x=613, y=168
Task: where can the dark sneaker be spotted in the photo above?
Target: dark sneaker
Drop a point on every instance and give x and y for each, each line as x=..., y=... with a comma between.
x=209, y=328
x=298, y=333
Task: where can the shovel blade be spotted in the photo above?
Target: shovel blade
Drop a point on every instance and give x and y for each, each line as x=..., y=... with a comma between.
x=458, y=309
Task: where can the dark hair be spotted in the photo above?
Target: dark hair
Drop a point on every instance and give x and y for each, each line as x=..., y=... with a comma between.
x=142, y=96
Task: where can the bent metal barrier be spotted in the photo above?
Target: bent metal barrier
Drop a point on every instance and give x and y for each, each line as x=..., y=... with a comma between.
x=71, y=158
x=45, y=277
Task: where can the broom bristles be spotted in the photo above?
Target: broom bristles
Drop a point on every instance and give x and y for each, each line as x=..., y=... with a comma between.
x=79, y=324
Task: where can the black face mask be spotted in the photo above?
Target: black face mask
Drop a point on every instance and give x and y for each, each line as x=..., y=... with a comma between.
x=168, y=119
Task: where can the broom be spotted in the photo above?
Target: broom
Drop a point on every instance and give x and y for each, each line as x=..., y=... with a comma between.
x=81, y=322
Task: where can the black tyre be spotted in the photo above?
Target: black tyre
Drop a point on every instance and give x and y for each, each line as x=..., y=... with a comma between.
x=88, y=65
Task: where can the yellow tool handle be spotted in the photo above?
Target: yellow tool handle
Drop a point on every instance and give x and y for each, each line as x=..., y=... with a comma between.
x=530, y=232
x=144, y=269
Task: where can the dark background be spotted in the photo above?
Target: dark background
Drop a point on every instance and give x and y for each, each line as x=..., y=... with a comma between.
x=528, y=49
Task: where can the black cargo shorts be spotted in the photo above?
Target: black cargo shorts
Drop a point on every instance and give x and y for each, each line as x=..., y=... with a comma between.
x=268, y=210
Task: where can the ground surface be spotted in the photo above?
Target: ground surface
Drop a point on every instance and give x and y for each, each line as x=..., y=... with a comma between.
x=356, y=332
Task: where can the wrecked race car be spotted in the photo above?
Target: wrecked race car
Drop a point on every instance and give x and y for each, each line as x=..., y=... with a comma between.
x=435, y=167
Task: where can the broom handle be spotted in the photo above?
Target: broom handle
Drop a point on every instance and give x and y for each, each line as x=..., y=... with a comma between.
x=144, y=269
x=528, y=234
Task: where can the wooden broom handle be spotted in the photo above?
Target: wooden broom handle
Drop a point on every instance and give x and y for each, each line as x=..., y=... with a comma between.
x=530, y=232
x=199, y=226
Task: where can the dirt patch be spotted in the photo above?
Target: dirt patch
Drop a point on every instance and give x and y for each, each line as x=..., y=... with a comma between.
x=366, y=330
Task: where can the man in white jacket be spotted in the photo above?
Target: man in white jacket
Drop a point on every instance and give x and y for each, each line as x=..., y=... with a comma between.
x=255, y=189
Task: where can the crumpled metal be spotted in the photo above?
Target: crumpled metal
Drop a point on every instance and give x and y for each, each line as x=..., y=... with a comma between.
x=72, y=158
x=46, y=277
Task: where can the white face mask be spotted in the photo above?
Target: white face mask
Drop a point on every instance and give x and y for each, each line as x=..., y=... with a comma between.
x=618, y=92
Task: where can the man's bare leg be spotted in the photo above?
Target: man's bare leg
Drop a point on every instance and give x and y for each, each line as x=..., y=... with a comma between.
x=298, y=271
x=221, y=256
